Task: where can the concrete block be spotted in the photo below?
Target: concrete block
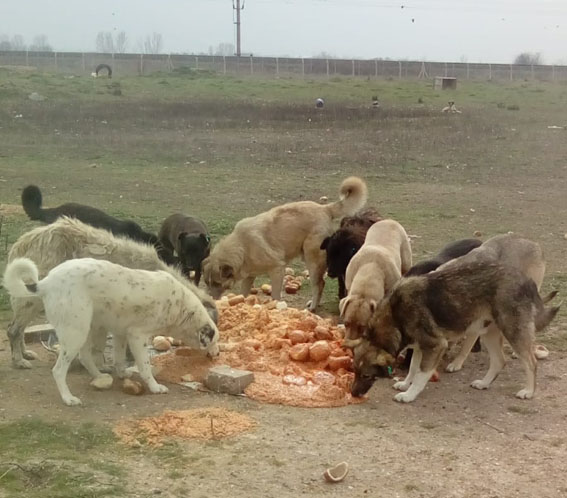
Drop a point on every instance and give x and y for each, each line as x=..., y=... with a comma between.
x=224, y=379
x=36, y=333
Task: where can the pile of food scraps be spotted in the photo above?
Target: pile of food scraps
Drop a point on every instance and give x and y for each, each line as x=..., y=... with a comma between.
x=211, y=423
x=297, y=357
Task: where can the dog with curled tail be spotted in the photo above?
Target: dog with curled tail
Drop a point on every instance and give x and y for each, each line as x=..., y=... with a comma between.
x=265, y=243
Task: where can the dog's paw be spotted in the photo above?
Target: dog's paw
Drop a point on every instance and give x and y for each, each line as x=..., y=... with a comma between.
x=525, y=394
x=403, y=398
x=541, y=352
x=30, y=355
x=125, y=373
x=310, y=306
x=72, y=401
x=479, y=384
x=402, y=385
x=21, y=364
x=453, y=367
x=103, y=381
x=158, y=389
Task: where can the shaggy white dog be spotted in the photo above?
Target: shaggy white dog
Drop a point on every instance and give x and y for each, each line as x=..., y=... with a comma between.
x=68, y=238
x=134, y=304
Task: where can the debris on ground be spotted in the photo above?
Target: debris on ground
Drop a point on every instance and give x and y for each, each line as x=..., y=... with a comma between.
x=203, y=423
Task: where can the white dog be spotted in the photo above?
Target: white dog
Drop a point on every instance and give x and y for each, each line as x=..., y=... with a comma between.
x=84, y=295
x=50, y=245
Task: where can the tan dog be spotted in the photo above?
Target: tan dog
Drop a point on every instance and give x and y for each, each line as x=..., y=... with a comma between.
x=265, y=243
x=384, y=257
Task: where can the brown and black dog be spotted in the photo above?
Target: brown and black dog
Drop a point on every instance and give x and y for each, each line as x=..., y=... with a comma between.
x=189, y=238
x=345, y=243
x=428, y=311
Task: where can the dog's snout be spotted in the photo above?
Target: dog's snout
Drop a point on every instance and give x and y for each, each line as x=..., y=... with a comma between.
x=214, y=351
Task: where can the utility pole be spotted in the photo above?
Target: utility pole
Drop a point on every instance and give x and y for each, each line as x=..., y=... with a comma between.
x=237, y=7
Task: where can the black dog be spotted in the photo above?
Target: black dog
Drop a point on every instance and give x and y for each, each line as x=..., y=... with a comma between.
x=32, y=201
x=345, y=243
x=189, y=238
x=452, y=250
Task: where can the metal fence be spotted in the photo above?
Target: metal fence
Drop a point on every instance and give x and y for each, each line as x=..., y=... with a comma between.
x=143, y=64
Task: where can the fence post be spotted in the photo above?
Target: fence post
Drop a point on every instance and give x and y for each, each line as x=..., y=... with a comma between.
x=303, y=67
x=400, y=70
x=446, y=70
x=224, y=64
x=83, y=60
x=376, y=68
x=511, y=73
x=552, y=73
x=533, y=76
x=277, y=67
x=353, y=71
x=251, y=66
x=141, y=64
x=489, y=72
x=327, y=68
x=27, y=58
x=55, y=59
x=468, y=77
x=196, y=62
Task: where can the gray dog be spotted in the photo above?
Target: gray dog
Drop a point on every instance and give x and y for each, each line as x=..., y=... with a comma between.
x=189, y=238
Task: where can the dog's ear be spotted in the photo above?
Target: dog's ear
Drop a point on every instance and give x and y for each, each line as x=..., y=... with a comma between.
x=206, y=336
x=205, y=238
x=352, y=343
x=343, y=305
x=383, y=359
x=373, y=305
x=227, y=271
x=181, y=236
x=325, y=243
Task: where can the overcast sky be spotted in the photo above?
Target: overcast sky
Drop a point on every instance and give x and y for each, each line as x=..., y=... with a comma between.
x=445, y=30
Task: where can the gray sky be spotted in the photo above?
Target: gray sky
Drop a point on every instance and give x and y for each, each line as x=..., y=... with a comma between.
x=445, y=30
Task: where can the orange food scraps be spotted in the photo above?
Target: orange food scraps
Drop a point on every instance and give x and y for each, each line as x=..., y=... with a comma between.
x=210, y=423
x=297, y=336
x=299, y=352
x=319, y=351
x=263, y=339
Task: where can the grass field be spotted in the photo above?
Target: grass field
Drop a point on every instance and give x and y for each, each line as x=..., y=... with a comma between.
x=223, y=148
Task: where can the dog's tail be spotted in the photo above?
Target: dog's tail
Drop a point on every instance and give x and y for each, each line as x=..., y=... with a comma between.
x=31, y=202
x=21, y=278
x=549, y=296
x=544, y=315
x=352, y=196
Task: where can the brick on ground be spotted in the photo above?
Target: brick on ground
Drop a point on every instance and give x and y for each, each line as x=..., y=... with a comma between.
x=224, y=379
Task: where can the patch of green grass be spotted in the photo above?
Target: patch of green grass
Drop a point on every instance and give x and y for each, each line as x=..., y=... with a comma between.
x=42, y=459
x=24, y=438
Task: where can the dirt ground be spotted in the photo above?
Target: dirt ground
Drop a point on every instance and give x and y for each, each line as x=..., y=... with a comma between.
x=164, y=148
x=453, y=441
